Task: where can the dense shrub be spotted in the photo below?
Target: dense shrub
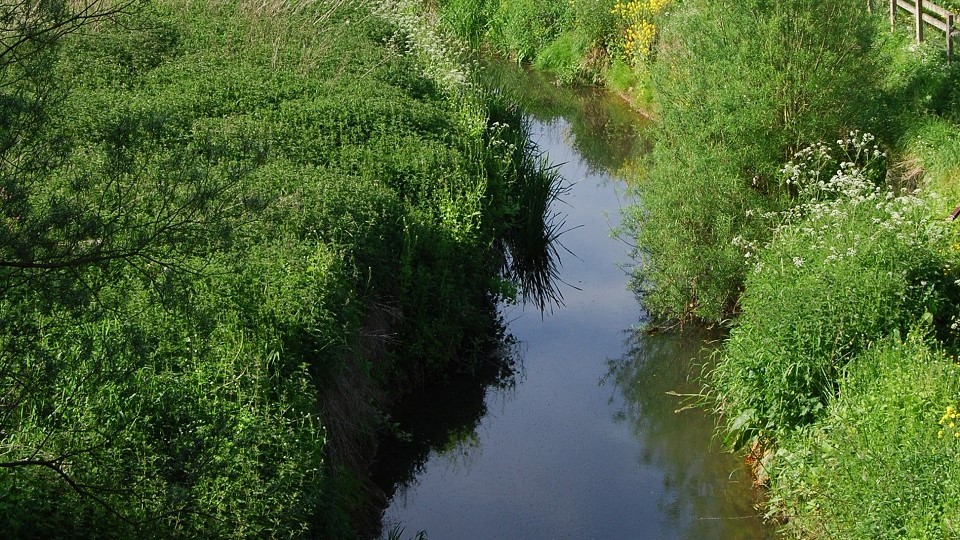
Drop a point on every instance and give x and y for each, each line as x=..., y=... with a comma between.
x=200, y=207
x=738, y=88
x=851, y=263
x=565, y=55
x=521, y=28
x=882, y=462
x=468, y=19
x=570, y=39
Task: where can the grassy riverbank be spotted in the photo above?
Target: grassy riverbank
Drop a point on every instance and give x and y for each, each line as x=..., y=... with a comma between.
x=798, y=193
x=231, y=233
x=805, y=162
x=609, y=42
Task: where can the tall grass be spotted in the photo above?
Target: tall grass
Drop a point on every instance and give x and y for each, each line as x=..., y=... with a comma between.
x=882, y=462
x=530, y=239
x=802, y=73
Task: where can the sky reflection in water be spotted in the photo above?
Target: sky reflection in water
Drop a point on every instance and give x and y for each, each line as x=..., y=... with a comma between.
x=587, y=445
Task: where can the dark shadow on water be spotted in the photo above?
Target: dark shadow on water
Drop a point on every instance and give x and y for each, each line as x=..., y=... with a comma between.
x=442, y=417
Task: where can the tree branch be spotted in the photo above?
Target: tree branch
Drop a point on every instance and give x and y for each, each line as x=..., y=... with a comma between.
x=56, y=467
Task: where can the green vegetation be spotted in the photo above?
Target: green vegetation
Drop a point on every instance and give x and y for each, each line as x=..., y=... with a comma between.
x=851, y=263
x=234, y=232
x=766, y=208
x=721, y=139
x=579, y=41
x=231, y=233
x=882, y=461
x=805, y=160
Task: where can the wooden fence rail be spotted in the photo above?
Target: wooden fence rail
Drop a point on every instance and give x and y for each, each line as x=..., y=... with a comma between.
x=931, y=14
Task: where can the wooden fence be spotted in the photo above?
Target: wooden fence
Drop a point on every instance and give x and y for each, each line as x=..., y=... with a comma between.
x=931, y=14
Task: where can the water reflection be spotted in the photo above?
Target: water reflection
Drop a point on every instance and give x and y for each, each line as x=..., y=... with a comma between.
x=564, y=456
x=442, y=418
x=603, y=131
x=706, y=492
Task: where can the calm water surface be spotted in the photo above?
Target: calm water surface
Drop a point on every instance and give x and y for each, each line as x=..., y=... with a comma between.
x=586, y=443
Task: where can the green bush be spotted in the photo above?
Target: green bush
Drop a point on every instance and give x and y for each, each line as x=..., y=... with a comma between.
x=570, y=39
x=581, y=53
x=851, y=263
x=564, y=56
x=738, y=88
x=468, y=19
x=594, y=18
x=879, y=465
x=918, y=83
x=203, y=206
x=163, y=413
x=521, y=28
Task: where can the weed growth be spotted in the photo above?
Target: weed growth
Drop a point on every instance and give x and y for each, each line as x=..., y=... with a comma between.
x=875, y=466
x=199, y=205
x=850, y=263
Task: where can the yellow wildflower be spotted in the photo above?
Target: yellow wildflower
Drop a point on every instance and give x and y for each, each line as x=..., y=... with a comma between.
x=639, y=33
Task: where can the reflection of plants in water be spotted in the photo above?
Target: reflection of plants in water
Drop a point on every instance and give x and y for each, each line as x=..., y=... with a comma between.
x=604, y=131
x=521, y=176
x=398, y=531
x=679, y=443
x=442, y=419
x=655, y=367
x=531, y=244
x=461, y=447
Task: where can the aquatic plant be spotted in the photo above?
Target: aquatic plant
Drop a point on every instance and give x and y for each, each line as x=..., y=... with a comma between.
x=530, y=243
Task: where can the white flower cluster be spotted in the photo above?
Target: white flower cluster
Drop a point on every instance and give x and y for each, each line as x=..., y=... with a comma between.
x=808, y=172
x=418, y=33
x=444, y=59
x=747, y=247
x=835, y=198
x=499, y=144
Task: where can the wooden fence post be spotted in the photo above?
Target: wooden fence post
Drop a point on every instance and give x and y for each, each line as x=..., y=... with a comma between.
x=893, y=15
x=951, y=20
x=919, y=14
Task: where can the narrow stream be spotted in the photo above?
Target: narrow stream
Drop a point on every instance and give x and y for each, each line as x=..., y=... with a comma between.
x=586, y=443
